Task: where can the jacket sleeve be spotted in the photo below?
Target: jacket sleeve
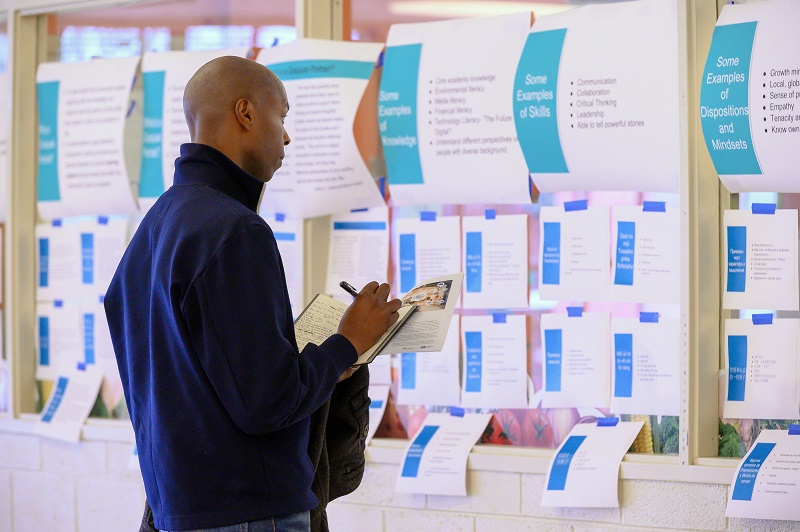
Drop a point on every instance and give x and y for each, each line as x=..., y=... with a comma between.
x=236, y=315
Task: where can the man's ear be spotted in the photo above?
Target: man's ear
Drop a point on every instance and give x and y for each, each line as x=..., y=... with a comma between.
x=243, y=110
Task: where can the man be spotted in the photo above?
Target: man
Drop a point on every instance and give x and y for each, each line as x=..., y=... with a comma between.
x=219, y=397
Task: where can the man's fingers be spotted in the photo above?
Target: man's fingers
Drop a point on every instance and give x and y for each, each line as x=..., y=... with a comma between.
x=383, y=291
x=394, y=305
x=369, y=288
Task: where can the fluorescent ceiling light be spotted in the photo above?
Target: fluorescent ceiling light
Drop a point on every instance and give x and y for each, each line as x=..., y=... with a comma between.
x=466, y=8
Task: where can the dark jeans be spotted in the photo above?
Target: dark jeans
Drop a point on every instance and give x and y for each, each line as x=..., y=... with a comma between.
x=299, y=522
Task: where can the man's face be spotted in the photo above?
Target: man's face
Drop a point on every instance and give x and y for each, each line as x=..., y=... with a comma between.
x=266, y=151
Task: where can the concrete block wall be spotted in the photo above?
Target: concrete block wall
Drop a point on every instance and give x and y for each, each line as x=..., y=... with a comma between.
x=48, y=485
x=503, y=502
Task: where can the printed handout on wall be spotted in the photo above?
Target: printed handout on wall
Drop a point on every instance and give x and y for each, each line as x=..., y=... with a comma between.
x=573, y=252
x=760, y=268
x=495, y=260
x=444, y=115
x=323, y=171
x=749, y=96
x=83, y=109
x=576, y=359
x=596, y=105
x=164, y=77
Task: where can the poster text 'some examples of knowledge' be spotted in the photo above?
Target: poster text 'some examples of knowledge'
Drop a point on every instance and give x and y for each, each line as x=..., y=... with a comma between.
x=444, y=112
x=323, y=171
x=596, y=104
x=750, y=97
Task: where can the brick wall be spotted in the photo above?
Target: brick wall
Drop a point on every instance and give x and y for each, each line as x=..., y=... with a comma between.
x=47, y=485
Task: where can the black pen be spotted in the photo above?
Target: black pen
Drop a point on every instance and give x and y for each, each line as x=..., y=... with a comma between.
x=349, y=288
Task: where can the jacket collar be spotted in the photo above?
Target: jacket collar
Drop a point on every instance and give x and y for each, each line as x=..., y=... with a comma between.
x=203, y=165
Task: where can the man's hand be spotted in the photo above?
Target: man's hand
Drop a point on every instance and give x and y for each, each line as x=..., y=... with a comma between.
x=369, y=316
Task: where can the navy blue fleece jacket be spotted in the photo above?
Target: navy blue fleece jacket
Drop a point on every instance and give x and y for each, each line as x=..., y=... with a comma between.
x=219, y=397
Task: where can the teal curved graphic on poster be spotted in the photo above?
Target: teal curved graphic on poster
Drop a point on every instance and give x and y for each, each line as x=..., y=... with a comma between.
x=397, y=114
x=725, y=100
x=322, y=68
x=47, y=96
x=151, y=182
x=535, y=116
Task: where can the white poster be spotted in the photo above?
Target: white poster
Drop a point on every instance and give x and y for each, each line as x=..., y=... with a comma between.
x=428, y=246
x=358, y=251
x=444, y=114
x=495, y=260
x=584, y=470
x=762, y=372
x=645, y=365
x=766, y=484
x=495, y=361
x=83, y=108
x=164, y=77
x=760, y=268
x=288, y=234
x=576, y=359
x=99, y=351
x=574, y=264
x=59, y=338
x=69, y=405
x=431, y=378
x=749, y=96
x=59, y=272
x=646, y=257
x=596, y=98
x=435, y=461
x=323, y=171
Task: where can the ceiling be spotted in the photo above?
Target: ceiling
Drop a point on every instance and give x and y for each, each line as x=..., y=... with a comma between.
x=371, y=18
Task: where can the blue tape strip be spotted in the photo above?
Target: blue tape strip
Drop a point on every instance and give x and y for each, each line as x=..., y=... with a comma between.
x=577, y=205
x=81, y=366
x=101, y=298
x=607, y=421
x=574, y=312
x=58, y=303
x=764, y=208
x=491, y=214
x=57, y=222
x=794, y=429
x=102, y=220
x=498, y=317
x=380, y=61
x=279, y=217
x=359, y=210
x=648, y=317
x=762, y=319
x=456, y=411
x=130, y=109
x=654, y=206
x=427, y=216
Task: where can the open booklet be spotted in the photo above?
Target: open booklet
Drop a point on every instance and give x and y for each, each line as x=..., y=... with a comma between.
x=424, y=319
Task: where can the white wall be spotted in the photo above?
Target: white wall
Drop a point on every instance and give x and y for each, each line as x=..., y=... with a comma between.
x=50, y=486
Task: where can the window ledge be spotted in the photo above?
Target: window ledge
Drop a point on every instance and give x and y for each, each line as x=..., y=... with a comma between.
x=498, y=458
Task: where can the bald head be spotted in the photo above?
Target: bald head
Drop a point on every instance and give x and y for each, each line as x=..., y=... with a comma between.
x=228, y=103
